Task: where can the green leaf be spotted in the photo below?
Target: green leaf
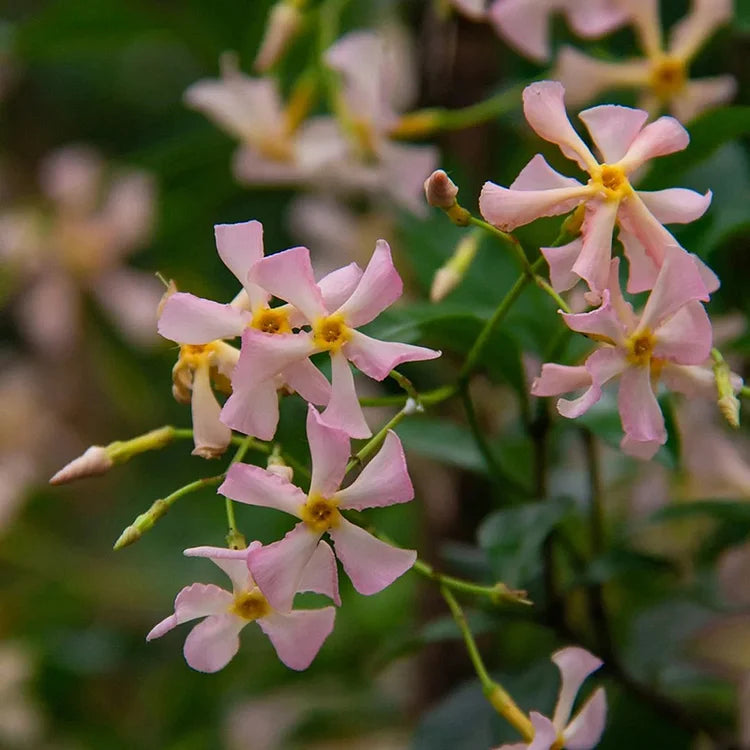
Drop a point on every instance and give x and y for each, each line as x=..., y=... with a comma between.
x=621, y=562
x=733, y=511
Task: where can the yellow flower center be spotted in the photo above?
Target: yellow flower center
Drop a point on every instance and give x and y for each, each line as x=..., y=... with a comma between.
x=275, y=148
x=320, y=513
x=250, y=605
x=667, y=77
x=271, y=320
x=612, y=181
x=639, y=347
x=331, y=333
x=191, y=355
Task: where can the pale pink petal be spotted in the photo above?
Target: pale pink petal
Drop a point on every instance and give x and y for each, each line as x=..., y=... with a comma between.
x=379, y=287
x=613, y=129
x=377, y=358
x=278, y=568
x=595, y=18
x=705, y=93
x=710, y=279
x=198, y=600
x=384, y=481
x=403, y=170
x=524, y=24
x=545, y=734
x=603, y=321
x=544, y=107
x=642, y=271
x=210, y=436
x=329, y=448
x=71, y=176
x=538, y=175
x=321, y=574
x=686, y=337
x=636, y=219
x=299, y=635
x=188, y=319
x=586, y=729
x=251, y=167
x=508, y=209
x=337, y=286
x=689, y=34
x=307, y=380
x=211, y=644
x=592, y=265
x=644, y=16
x=288, y=275
x=343, y=411
x=664, y=136
x=556, y=379
x=678, y=283
x=603, y=365
x=623, y=309
x=642, y=449
x=129, y=210
x=252, y=410
x=370, y=564
x=676, y=205
x=240, y=246
x=232, y=561
x=255, y=486
x=641, y=416
x=692, y=380
x=560, y=260
x=575, y=665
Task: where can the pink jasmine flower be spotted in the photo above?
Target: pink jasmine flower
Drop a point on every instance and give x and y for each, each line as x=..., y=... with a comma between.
x=288, y=275
x=585, y=729
x=297, y=635
x=524, y=24
x=371, y=564
x=670, y=340
x=662, y=75
x=625, y=145
x=199, y=325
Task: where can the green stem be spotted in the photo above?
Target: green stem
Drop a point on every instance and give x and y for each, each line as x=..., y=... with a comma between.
x=507, y=238
x=374, y=442
x=427, y=399
x=235, y=538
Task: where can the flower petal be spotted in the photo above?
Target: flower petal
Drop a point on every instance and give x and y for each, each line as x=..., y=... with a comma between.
x=307, y=380
x=694, y=381
x=556, y=379
x=659, y=138
x=377, y=358
x=329, y=448
x=689, y=34
x=321, y=574
x=676, y=205
x=265, y=355
x=642, y=449
x=592, y=264
x=640, y=414
x=575, y=665
x=545, y=734
x=379, y=287
x=240, y=246
x=705, y=93
x=288, y=275
x=299, y=635
x=278, y=568
x=596, y=17
x=560, y=260
x=544, y=107
x=210, y=436
x=337, y=286
x=384, y=481
x=603, y=365
x=255, y=486
x=524, y=25
x=686, y=337
x=188, y=319
x=198, y=600
x=370, y=564
x=211, y=644
x=253, y=411
x=613, y=128
x=586, y=729
x=602, y=322
x=538, y=175
x=232, y=561
x=642, y=271
x=343, y=411
x=636, y=219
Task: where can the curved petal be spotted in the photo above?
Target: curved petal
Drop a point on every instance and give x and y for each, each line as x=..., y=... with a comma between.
x=379, y=287
x=337, y=286
x=693, y=381
x=560, y=260
x=687, y=337
x=689, y=34
x=278, y=568
x=544, y=108
x=524, y=25
x=255, y=486
x=307, y=380
x=384, y=481
x=329, y=448
x=613, y=128
x=343, y=411
x=575, y=665
x=211, y=644
x=602, y=322
x=538, y=175
x=592, y=265
x=298, y=636
x=508, y=209
x=188, y=319
x=377, y=358
x=232, y=561
x=556, y=379
x=198, y=600
x=370, y=564
x=545, y=734
x=240, y=246
x=623, y=309
x=586, y=729
x=640, y=414
x=602, y=365
x=595, y=18
x=264, y=355
x=676, y=205
x=659, y=138
x=210, y=436
x=642, y=270
x=288, y=275
x=636, y=219
x=705, y=93
x=253, y=411
x=642, y=449
x=321, y=574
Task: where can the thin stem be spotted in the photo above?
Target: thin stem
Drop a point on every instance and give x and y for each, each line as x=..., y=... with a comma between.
x=374, y=442
x=235, y=538
x=427, y=399
x=509, y=239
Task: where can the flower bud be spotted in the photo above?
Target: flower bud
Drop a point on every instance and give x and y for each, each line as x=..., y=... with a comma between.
x=440, y=190
x=94, y=461
x=449, y=276
x=277, y=465
x=727, y=386
x=283, y=24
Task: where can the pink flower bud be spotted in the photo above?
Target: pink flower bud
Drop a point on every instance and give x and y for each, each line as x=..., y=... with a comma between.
x=283, y=24
x=94, y=461
x=440, y=190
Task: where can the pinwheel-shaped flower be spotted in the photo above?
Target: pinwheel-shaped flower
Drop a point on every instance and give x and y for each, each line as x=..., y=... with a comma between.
x=662, y=76
x=296, y=635
x=669, y=340
x=625, y=145
x=371, y=564
x=289, y=276
x=585, y=729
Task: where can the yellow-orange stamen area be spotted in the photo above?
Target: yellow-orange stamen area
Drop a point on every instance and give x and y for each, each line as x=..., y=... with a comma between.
x=271, y=320
x=191, y=355
x=640, y=347
x=612, y=181
x=250, y=605
x=331, y=333
x=667, y=77
x=320, y=513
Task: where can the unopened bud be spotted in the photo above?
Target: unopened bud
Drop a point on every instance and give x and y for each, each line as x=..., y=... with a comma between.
x=283, y=24
x=94, y=461
x=571, y=227
x=448, y=277
x=277, y=465
x=729, y=406
x=440, y=190
x=727, y=385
